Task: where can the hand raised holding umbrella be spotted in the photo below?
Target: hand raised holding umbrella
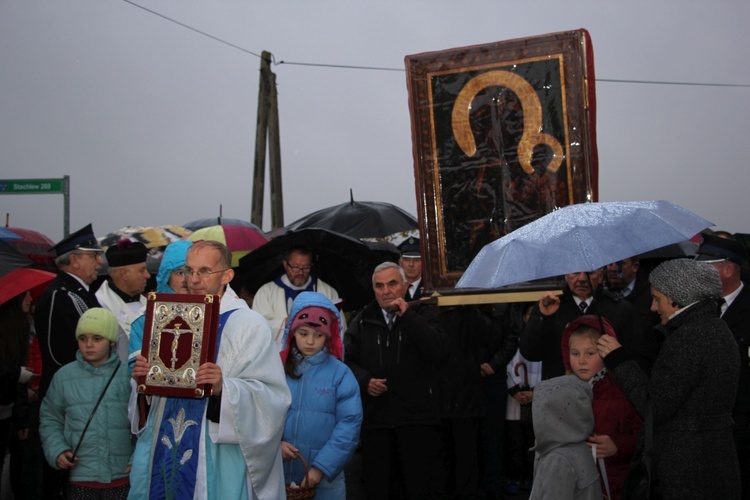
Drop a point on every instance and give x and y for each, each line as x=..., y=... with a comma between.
x=577, y=241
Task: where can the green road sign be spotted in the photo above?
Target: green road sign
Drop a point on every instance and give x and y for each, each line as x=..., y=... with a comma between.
x=32, y=186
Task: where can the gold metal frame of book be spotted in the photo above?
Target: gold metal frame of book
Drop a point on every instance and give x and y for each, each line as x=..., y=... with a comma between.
x=178, y=337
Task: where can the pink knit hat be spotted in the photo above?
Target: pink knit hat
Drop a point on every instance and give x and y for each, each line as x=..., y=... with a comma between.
x=317, y=318
x=322, y=320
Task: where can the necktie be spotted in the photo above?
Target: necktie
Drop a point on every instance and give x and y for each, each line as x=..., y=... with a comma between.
x=391, y=320
x=583, y=307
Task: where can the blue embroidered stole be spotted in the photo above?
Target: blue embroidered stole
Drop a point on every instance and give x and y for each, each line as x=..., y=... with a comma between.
x=176, y=455
x=290, y=293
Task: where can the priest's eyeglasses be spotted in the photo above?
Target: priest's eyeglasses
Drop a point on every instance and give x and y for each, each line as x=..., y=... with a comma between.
x=202, y=272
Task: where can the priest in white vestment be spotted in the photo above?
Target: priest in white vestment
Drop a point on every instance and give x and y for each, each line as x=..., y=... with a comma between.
x=227, y=445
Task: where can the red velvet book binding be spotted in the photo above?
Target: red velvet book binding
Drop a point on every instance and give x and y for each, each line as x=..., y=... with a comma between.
x=179, y=335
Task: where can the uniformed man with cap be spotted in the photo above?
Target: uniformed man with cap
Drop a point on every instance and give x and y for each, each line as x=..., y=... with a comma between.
x=122, y=292
x=411, y=262
x=727, y=255
x=79, y=257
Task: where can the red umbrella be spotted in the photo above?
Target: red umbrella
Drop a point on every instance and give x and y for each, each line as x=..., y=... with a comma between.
x=241, y=240
x=16, y=277
x=35, y=246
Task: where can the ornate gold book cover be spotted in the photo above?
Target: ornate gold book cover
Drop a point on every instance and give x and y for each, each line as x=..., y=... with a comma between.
x=179, y=335
x=503, y=133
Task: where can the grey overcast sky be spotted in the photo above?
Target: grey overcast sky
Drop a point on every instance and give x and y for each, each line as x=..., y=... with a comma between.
x=155, y=123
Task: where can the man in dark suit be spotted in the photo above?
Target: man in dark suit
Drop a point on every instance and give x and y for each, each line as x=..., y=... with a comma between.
x=79, y=257
x=727, y=255
x=411, y=262
x=625, y=280
x=582, y=295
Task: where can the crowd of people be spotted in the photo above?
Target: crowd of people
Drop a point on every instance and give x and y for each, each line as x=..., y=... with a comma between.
x=560, y=398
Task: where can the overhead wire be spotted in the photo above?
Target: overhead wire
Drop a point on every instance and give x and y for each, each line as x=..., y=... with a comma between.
x=376, y=68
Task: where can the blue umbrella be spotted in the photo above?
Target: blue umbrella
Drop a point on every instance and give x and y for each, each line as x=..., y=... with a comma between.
x=581, y=237
x=7, y=235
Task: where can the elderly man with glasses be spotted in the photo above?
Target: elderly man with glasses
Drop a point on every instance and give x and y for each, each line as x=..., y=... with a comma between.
x=274, y=299
x=79, y=257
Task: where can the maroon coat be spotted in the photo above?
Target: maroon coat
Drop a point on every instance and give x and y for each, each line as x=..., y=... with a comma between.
x=614, y=416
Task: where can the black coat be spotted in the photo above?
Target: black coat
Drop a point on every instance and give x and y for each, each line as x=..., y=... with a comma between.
x=406, y=356
x=640, y=299
x=737, y=317
x=542, y=336
x=473, y=336
x=55, y=319
x=691, y=391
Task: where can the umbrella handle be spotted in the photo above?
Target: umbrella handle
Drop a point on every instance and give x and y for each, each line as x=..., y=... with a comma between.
x=427, y=301
x=521, y=364
x=546, y=301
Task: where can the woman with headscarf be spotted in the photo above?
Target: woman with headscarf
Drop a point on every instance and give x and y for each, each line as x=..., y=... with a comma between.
x=691, y=389
x=169, y=279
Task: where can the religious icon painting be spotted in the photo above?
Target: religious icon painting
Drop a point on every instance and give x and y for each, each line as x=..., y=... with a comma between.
x=503, y=134
x=179, y=335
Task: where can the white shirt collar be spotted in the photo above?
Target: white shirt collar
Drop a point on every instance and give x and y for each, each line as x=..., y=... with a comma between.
x=628, y=289
x=728, y=299
x=79, y=280
x=578, y=301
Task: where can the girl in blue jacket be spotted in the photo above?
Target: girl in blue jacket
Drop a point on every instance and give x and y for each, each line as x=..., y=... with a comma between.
x=323, y=422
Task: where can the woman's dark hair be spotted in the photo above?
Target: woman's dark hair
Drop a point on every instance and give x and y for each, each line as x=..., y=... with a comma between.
x=14, y=332
x=292, y=358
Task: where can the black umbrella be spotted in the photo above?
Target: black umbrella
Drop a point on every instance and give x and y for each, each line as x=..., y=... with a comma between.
x=385, y=250
x=359, y=219
x=343, y=262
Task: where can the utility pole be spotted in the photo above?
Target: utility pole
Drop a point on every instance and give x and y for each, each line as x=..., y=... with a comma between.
x=267, y=135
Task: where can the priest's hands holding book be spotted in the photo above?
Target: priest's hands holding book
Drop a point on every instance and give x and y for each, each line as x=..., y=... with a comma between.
x=140, y=368
x=210, y=373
